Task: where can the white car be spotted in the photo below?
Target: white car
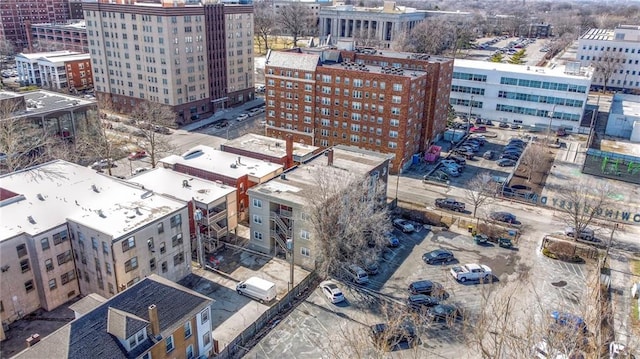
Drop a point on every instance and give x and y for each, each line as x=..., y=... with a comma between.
x=242, y=117
x=472, y=271
x=331, y=291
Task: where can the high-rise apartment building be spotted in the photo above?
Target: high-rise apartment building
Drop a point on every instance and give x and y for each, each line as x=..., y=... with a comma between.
x=17, y=15
x=383, y=101
x=194, y=56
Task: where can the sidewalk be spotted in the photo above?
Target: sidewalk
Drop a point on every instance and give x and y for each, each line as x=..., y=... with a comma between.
x=227, y=113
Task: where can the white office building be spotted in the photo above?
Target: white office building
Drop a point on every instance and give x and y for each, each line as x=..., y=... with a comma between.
x=624, y=118
x=622, y=44
x=524, y=95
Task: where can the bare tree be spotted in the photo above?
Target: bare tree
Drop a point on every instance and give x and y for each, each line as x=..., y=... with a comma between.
x=432, y=36
x=349, y=220
x=580, y=202
x=607, y=64
x=153, y=121
x=264, y=22
x=295, y=21
x=533, y=158
x=480, y=189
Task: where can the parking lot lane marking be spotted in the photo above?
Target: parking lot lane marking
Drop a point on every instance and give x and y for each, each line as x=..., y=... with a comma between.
x=315, y=317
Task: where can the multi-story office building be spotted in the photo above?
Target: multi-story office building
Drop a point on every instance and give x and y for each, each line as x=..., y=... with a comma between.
x=279, y=213
x=372, y=26
x=387, y=102
x=621, y=46
x=67, y=230
x=71, y=36
x=155, y=318
x=59, y=70
x=523, y=95
x=17, y=15
x=195, y=57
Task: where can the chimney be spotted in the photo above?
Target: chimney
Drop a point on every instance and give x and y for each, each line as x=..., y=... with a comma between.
x=289, y=151
x=330, y=157
x=154, y=320
x=239, y=160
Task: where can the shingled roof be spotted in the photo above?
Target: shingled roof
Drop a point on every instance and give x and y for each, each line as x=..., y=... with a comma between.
x=125, y=313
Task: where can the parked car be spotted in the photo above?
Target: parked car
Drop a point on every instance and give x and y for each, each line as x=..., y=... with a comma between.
x=505, y=217
x=428, y=287
x=515, y=126
x=392, y=241
x=503, y=125
x=510, y=156
x=563, y=320
x=371, y=267
x=488, y=123
x=242, y=117
x=459, y=160
x=488, y=155
x=387, y=337
x=478, y=129
x=450, y=204
x=438, y=256
x=451, y=171
x=331, y=291
x=403, y=225
x=444, y=313
x=137, y=155
x=356, y=274
x=586, y=234
x=505, y=162
x=419, y=302
x=161, y=129
x=140, y=170
x=471, y=271
x=103, y=164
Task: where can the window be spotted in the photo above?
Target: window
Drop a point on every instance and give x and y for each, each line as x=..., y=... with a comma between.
x=22, y=250
x=94, y=243
x=160, y=228
x=190, y=351
x=48, y=264
x=105, y=248
x=257, y=203
x=305, y=251
x=128, y=244
x=28, y=285
x=52, y=284
x=257, y=219
x=165, y=267
x=176, y=240
x=131, y=264
x=67, y=277
x=169, y=343
x=107, y=267
x=187, y=330
x=44, y=242
x=205, y=315
x=305, y=235
x=257, y=236
x=152, y=264
x=206, y=339
x=178, y=259
x=60, y=237
x=176, y=221
x=24, y=265
x=64, y=257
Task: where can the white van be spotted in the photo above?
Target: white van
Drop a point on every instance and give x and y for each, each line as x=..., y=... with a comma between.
x=357, y=274
x=257, y=288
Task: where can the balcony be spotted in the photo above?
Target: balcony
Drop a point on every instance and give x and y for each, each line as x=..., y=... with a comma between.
x=216, y=217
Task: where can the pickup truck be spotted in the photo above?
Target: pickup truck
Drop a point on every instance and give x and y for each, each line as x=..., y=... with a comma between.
x=479, y=272
x=450, y=204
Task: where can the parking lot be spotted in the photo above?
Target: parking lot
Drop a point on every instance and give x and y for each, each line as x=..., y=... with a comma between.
x=486, y=47
x=318, y=328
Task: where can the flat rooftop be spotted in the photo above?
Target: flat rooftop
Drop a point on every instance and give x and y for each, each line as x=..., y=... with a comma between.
x=223, y=163
x=300, y=182
x=65, y=58
x=387, y=70
x=77, y=26
x=48, y=54
x=172, y=184
x=558, y=71
x=627, y=105
x=43, y=102
x=620, y=147
x=270, y=146
x=50, y=194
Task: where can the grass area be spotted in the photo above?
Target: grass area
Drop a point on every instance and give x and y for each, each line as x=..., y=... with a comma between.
x=635, y=311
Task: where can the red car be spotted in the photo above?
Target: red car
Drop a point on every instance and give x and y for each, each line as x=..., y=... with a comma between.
x=478, y=129
x=137, y=155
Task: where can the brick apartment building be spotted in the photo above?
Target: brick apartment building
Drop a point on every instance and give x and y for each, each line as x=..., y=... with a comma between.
x=71, y=36
x=195, y=57
x=383, y=101
x=17, y=15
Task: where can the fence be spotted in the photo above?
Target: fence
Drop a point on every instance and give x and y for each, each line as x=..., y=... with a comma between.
x=238, y=346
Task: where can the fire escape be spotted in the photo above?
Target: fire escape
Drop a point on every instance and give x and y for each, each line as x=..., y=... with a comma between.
x=282, y=229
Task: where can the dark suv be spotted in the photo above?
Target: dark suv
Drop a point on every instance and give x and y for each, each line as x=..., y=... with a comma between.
x=428, y=287
x=387, y=337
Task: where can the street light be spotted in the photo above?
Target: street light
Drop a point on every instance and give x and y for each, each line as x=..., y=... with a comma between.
x=553, y=110
x=469, y=118
x=398, y=180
